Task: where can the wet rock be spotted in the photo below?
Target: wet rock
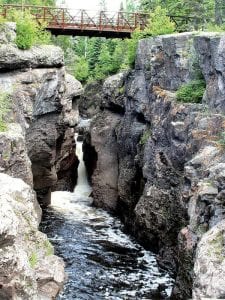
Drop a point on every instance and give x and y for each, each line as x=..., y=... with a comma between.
x=105, y=177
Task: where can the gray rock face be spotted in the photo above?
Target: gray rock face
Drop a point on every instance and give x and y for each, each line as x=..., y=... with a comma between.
x=210, y=51
x=12, y=58
x=14, y=159
x=8, y=33
x=105, y=178
x=46, y=108
x=210, y=264
x=168, y=186
x=38, y=147
x=28, y=268
x=90, y=100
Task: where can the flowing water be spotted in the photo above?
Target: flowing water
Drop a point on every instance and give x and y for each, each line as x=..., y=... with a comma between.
x=101, y=261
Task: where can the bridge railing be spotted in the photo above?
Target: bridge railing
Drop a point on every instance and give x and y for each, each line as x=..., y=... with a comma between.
x=81, y=19
x=102, y=21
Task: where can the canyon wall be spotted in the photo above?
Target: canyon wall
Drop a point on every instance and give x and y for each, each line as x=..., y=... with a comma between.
x=43, y=101
x=38, y=107
x=159, y=163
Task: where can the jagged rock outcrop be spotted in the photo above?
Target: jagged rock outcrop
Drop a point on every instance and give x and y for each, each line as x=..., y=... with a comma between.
x=37, y=147
x=168, y=183
x=90, y=100
x=44, y=103
x=14, y=158
x=28, y=267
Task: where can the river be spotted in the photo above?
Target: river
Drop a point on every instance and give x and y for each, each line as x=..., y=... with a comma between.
x=102, y=262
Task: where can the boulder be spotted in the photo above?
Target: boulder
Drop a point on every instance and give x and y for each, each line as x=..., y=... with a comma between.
x=26, y=256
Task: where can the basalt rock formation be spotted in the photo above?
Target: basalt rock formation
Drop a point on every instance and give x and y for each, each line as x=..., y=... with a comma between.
x=44, y=102
x=159, y=162
x=36, y=154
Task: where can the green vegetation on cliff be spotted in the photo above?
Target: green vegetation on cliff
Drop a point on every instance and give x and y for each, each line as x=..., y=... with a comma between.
x=191, y=92
x=4, y=109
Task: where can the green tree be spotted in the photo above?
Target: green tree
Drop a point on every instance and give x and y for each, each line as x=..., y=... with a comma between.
x=104, y=66
x=94, y=50
x=81, y=70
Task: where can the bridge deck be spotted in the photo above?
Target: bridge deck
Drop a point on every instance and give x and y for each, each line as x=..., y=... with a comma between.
x=81, y=22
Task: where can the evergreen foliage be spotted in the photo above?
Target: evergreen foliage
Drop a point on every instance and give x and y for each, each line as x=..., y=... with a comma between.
x=191, y=92
x=96, y=58
x=159, y=23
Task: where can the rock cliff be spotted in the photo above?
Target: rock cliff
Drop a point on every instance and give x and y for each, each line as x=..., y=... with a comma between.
x=43, y=100
x=160, y=162
x=36, y=154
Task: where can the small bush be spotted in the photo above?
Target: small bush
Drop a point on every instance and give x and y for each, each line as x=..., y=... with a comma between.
x=28, y=31
x=215, y=28
x=4, y=108
x=80, y=67
x=191, y=92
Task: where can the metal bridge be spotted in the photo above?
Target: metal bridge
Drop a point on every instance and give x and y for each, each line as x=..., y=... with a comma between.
x=63, y=21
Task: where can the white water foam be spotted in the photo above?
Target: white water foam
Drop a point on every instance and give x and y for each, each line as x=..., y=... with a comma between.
x=101, y=226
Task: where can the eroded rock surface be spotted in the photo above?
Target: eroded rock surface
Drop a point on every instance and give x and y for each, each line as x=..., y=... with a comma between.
x=37, y=146
x=168, y=184
x=28, y=267
x=44, y=103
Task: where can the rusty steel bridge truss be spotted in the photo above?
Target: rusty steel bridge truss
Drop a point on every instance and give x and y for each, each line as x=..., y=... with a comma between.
x=82, y=22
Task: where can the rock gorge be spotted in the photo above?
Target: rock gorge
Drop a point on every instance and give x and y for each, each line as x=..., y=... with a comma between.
x=159, y=163
x=155, y=162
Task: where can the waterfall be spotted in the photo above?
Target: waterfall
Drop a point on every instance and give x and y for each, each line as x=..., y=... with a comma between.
x=102, y=262
x=83, y=187
x=79, y=199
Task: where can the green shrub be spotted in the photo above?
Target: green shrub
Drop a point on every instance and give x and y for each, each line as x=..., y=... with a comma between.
x=159, y=23
x=28, y=31
x=81, y=71
x=4, y=108
x=146, y=135
x=191, y=92
x=215, y=28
